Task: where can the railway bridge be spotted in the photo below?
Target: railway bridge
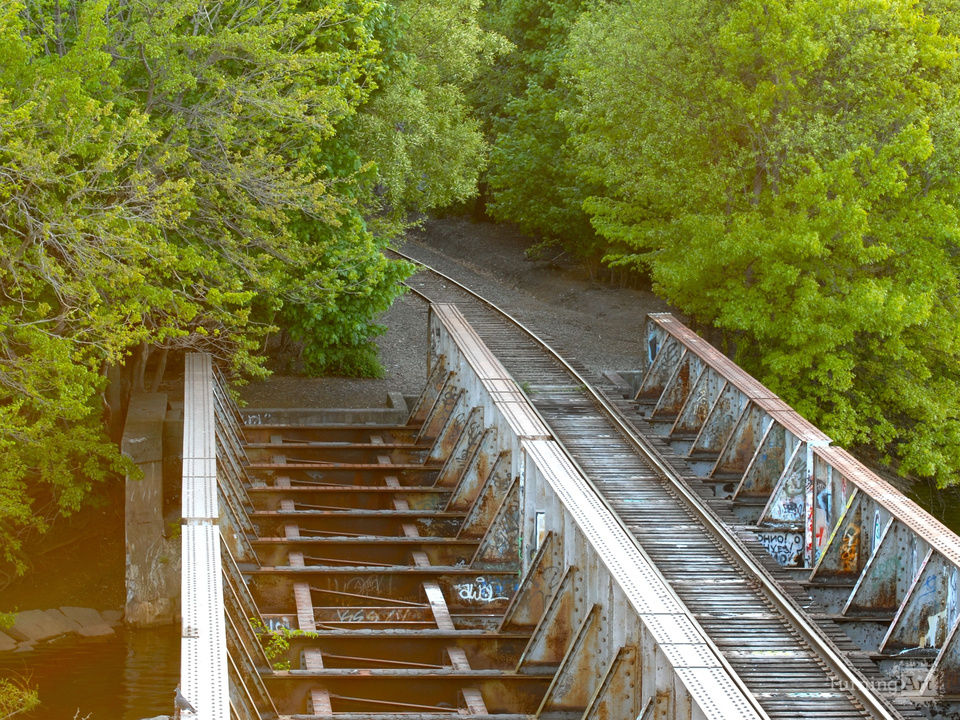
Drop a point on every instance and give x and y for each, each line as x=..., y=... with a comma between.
x=534, y=541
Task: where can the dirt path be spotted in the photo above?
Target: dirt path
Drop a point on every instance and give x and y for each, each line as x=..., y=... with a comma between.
x=597, y=324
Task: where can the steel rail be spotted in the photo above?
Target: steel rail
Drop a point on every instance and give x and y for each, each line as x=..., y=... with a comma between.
x=822, y=645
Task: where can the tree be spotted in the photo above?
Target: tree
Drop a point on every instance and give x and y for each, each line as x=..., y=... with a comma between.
x=196, y=175
x=785, y=172
x=533, y=177
x=418, y=127
x=415, y=146
x=76, y=218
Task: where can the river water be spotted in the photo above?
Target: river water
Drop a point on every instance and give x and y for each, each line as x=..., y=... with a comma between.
x=126, y=677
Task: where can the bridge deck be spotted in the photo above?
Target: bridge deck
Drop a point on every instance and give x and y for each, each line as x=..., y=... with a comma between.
x=401, y=619
x=785, y=675
x=507, y=553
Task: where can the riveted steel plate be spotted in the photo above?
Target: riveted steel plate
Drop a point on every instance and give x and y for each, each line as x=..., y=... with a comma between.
x=203, y=660
x=703, y=682
x=918, y=520
x=200, y=498
x=506, y=395
x=199, y=427
x=758, y=393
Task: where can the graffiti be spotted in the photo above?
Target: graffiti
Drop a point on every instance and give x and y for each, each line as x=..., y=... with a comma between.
x=886, y=568
x=850, y=549
x=952, y=590
x=503, y=536
x=481, y=590
x=539, y=595
x=276, y=623
x=876, y=528
x=789, y=503
x=257, y=418
x=790, y=509
x=467, y=445
x=936, y=627
x=504, y=540
x=929, y=588
x=364, y=615
x=822, y=518
x=825, y=500
x=372, y=585
x=785, y=548
x=795, y=482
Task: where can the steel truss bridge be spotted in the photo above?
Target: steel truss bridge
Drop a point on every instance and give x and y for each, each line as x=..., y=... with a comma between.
x=538, y=542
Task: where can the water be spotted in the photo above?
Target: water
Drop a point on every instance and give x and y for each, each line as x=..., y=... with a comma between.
x=126, y=677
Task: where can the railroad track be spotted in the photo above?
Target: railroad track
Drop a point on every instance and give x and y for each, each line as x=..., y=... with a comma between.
x=796, y=667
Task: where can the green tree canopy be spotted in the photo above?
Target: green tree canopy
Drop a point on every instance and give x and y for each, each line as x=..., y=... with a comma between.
x=533, y=177
x=787, y=172
x=194, y=175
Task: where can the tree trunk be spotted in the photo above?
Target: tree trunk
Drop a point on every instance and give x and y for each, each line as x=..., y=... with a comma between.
x=140, y=368
x=161, y=368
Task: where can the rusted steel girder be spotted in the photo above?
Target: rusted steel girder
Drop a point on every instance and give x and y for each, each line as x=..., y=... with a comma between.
x=478, y=584
x=401, y=689
x=362, y=434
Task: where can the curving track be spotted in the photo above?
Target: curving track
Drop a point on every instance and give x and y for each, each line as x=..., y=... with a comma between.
x=796, y=668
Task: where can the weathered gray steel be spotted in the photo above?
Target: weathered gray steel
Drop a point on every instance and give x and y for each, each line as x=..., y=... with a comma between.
x=553, y=382
x=634, y=609
x=592, y=630
x=815, y=505
x=219, y=648
x=477, y=470
x=203, y=645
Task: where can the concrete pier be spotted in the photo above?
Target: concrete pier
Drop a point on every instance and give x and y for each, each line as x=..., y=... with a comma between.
x=152, y=560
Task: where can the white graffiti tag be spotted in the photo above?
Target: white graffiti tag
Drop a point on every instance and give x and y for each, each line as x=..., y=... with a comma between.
x=480, y=591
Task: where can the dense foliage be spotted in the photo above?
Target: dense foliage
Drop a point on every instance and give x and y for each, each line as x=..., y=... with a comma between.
x=784, y=171
x=196, y=175
x=533, y=179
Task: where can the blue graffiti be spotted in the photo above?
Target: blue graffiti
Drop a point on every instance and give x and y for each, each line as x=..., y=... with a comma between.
x=825, y=500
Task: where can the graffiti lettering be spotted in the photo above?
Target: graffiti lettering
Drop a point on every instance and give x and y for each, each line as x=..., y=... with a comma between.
x=850, y=549
x=362, y=615
x=275, y=624
x=825, y=500
x=929, y=588
x=785, y=548
x=790, y=509
x=480, y=590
